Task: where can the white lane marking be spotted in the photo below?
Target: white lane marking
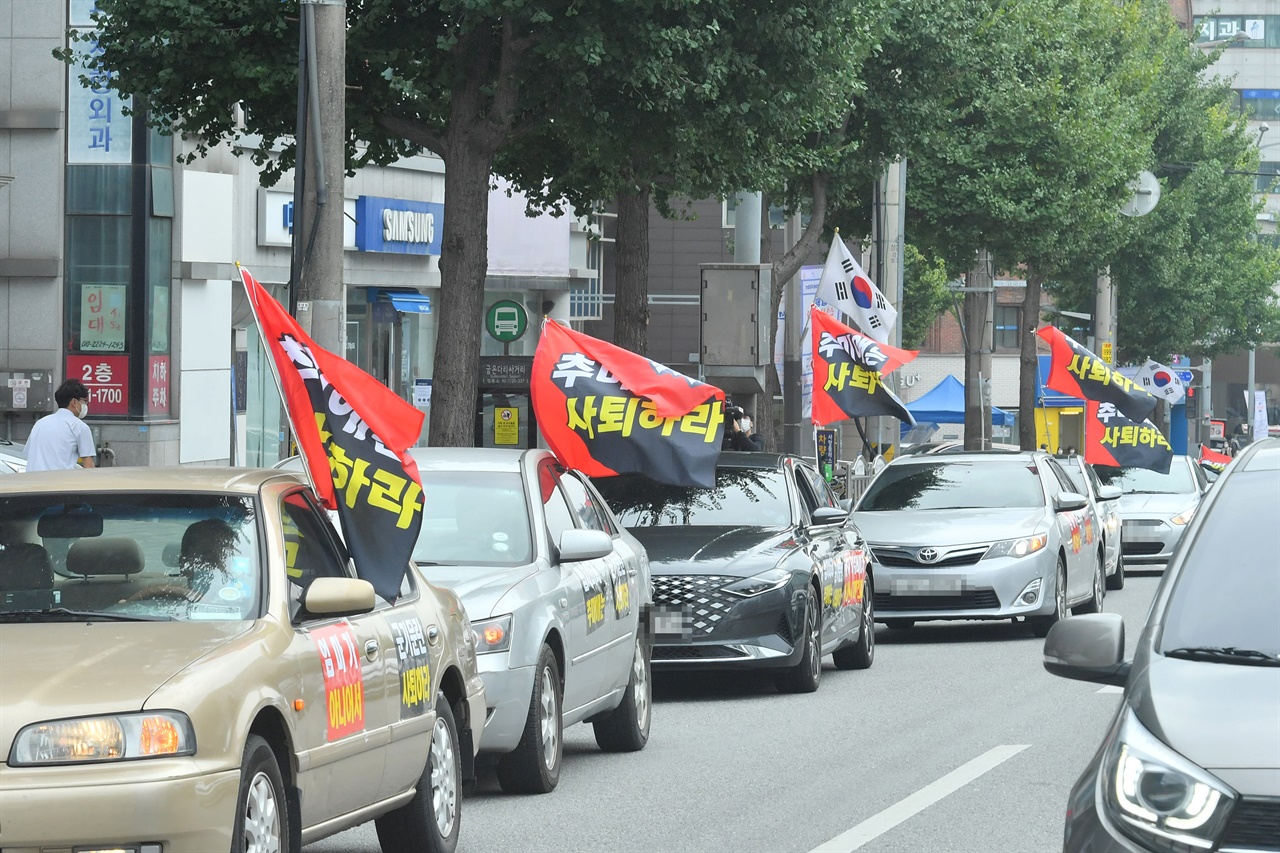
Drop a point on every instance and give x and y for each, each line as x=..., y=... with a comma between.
x=880, y=823
x=1109, y=688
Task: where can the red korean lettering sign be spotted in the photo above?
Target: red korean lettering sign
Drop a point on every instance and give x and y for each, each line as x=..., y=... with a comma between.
x=106, y=377
x=343, y=680
x=158, y=385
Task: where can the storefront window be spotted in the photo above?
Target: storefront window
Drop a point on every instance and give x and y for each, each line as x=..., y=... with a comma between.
x=98, y=273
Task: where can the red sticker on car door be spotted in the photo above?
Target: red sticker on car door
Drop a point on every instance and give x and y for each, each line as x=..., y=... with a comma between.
x=343, y=680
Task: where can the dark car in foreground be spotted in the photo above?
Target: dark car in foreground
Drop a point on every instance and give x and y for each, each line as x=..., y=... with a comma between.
x=1192, y=759
x=758, y=571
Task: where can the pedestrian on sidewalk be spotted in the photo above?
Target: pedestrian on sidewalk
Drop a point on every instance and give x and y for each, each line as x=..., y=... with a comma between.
x=61, y=440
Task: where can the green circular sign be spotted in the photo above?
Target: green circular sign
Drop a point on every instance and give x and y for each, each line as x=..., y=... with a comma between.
x=506, y=321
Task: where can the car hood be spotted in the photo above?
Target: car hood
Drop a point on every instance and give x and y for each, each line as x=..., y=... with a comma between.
x=1164, y=504
x=1221, y=716
x=733, y=551
x=75, y=669
x=479, y=587
x=949, y=526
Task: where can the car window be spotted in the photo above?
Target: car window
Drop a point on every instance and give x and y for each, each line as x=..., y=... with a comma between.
x=583, y=503
x=1093, y=478
x=1064, y=480
x=821, y=490
x=1144, y=481
x=310, y=550
x=753, y=497
x=805, y=488
x=474, y=518
x=1076, y=477
x=1228, y=588
x=962, y=484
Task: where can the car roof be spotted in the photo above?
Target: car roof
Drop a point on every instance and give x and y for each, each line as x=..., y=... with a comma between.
x=245, y=481
x=1261, y=456
x=967, y=456
x=471, y=458
x=752, y=459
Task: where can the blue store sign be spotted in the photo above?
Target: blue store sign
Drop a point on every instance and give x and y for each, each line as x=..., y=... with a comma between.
x=398, y=225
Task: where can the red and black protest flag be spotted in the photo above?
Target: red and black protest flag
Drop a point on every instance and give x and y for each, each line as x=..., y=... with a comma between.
x=605, y=410
x=1110, y=438
x=848, y=373
x=1076, y=372
x=1213, y=459
x=353, y=433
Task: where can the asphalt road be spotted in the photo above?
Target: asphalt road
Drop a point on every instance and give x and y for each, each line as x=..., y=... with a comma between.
x=955, y=740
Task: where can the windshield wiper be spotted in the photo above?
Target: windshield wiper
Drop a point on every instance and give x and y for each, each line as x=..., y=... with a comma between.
x=1147, y=492
x=1225, y=654
x=33, y=615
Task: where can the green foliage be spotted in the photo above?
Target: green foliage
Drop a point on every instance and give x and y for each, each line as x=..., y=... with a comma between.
x=925, y=295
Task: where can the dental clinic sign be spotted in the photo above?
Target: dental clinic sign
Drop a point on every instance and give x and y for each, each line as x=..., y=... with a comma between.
x=398, y=225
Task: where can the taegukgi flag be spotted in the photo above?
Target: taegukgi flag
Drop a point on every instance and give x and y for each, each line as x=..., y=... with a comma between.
x=605, y=410
x=845, y=284
x=1077, y=372
x=1161, y=381
x=353, y=433
x=1110, y=438
x=848, y=371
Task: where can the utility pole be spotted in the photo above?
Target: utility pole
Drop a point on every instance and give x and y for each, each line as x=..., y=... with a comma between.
x=318, y=224
x=979, y=333
x=1104, y=317
x=792, y=351
x=895, y=221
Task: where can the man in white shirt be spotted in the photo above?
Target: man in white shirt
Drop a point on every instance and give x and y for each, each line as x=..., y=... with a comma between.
x=58, y=441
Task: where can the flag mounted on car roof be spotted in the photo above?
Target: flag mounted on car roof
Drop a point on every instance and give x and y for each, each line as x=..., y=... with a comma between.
x=848, y=373
x=1111, y=438
x=1213, y=459
x=353, y=433
x=1079, y=373
x=605, y=410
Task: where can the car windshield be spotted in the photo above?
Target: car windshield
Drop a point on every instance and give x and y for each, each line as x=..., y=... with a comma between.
x=186, y=557
x=473, y=518
x=962, y=484
x=1227, y=594
x=1144, y=481
x=742, y=497
x=1076, y=475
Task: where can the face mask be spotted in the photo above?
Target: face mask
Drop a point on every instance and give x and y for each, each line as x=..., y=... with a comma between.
x=84, y=409
x=745, y=423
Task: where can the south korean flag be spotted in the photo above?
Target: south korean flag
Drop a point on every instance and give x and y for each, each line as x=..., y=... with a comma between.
x=845, y=284
x=1160, y=381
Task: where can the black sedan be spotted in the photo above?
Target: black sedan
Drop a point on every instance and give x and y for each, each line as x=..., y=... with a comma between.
x=759, y=571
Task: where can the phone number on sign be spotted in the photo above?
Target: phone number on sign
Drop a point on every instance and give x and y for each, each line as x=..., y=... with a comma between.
x=106, y=395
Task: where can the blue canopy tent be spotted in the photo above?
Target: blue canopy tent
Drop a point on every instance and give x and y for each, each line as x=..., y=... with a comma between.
x=945, y=405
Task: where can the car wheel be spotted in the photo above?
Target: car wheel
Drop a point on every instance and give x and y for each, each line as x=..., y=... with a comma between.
x=863, y=653
x=1094, y=604
x=430, y=821
x=1040, y=625
x=627, y=728
x=262, y=813
x=1116, y=581
x=899, y=624
x=534, y=766
x=806, y=675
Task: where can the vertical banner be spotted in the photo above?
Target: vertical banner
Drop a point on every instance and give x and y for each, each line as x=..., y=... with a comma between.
x=1261, y=427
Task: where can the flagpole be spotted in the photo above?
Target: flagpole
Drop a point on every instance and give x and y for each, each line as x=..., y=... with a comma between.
x=275, y=371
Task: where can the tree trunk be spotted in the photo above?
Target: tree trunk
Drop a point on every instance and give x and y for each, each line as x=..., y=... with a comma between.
x=1027, y=361
x=464, y=262
x=631, y=285
x=977, y=353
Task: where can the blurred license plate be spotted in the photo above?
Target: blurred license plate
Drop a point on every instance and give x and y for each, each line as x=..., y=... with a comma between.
x=944, y=585
x=669, y=623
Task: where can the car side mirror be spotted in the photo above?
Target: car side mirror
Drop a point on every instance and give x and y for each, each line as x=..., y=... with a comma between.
x=846, y=504
x=338, y=597
x=1068, y=501
x=828, y=515
x=1088, y=648
x=1109, y=493
x=578, y=545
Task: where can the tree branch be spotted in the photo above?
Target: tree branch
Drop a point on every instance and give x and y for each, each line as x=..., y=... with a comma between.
x=414, y=131
x=789, y=264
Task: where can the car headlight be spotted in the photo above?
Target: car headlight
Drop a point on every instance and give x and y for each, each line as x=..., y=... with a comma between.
x=120, y=737
x=1157, y=797
x=492, y=635
x=1017, y=547
x=1185, y=516
x=761, y=583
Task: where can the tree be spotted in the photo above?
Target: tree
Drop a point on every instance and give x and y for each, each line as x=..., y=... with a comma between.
x=925, y=295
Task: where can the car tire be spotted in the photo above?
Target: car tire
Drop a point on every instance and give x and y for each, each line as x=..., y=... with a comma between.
x=431, y=820
x=627, y=728
x=1116, y=581
x=1094, y=604
x=862, y=653
x=806, y=675
x=262, y=812
x=1040, y=625
x=899, y=624
x=534, y=766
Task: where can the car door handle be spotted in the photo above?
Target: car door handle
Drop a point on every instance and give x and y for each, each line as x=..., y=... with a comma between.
x=371, y=649
x=632, y=571
x=564, y=602
x=433, y=634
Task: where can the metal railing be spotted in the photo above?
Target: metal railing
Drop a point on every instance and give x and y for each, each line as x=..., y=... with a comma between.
x=846, y=484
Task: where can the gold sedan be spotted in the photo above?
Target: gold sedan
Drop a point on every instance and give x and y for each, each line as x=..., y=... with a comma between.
x=188, y=663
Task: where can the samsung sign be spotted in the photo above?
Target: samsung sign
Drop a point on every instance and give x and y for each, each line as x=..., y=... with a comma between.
x=398, y=225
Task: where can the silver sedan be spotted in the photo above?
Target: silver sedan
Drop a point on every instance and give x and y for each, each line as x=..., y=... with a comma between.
x=1156, y=508
x=555, y=588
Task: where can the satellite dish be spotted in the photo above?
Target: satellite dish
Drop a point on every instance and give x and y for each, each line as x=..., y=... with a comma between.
x=1146, y=193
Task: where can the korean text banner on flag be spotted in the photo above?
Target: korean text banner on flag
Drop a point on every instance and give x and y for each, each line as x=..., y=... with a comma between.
x=1079, y=373
x=845, y=284
x=1110, y=438
x=605, y=410
x=1214, y=459
x=848, y=371
x=1161, y=381
x=354, y=434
